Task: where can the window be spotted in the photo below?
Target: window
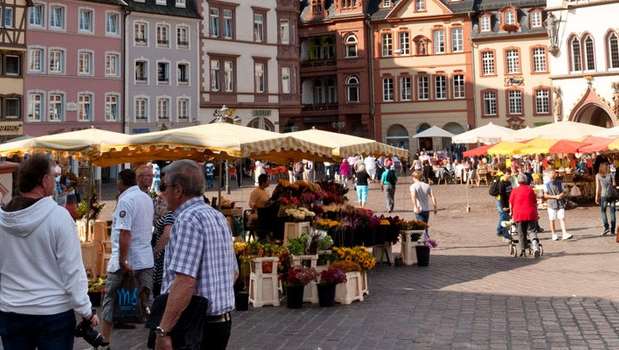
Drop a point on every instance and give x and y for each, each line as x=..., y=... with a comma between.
x=56, y=61
x=228, y=76
x=539, y=60
x=112, y=23
x=406, y=93
x=420, y=5
x=141, y=71
x=352, y=89
x=440, y=87
x=181, y=3
x=458, y=86
x=536, y=19
x=56, y=17
x=613, y=51
x=423, y=87
x=259, y=27
x=351, y=46
x=513, y=61
x=589, y=53
x=514, y=98
x=141, y=108
x=485, y=23
x=85, y=63
x=286, y=80
x=37, y=15
x=457, y=40
x=259, y=77
x=163, y=35
x=56, y=107
x=163, y=108
x=182, y=73
x=388, y=89
x=284, y=31
x=182, y=37
x=86, y=21
x=487, y=61
x=387, y=3
x=84, y=107
x=387, y=45
x=215, y=75
x=12, y=65
x=489, y=103
x=510, y=17
x=161, y=2
x=112, y=107
x=317, y=7
x=163, y=72
x=12, y=107
x=182, y=109
x=35, y=59
x=213, y=25
x=140, y=33
x=439, y=41
x=348, y=3
x=228, y=24
x=9, y=19
x=542, y=101
x=35, y=107
x=112, y=64
x=405, y=48
x=576, y=54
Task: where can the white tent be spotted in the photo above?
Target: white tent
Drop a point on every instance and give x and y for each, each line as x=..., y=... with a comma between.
x=611, y=133
x=518, y=135
x=434, y=131
x=564, y=130
x=489, y=133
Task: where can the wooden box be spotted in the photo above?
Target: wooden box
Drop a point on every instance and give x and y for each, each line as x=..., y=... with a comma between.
x=351, y=290
x=295, y=229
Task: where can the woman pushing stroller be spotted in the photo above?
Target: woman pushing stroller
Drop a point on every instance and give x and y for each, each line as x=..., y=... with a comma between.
x=523, y=203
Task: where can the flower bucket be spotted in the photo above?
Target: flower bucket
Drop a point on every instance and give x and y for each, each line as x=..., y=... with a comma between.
x=423, y=255
x=95, y=298
x=326, y=294
x=241, y=301
x=294, y=295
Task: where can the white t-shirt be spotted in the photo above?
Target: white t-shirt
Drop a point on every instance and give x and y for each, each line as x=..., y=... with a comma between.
x=134, y=213
x=422, y=194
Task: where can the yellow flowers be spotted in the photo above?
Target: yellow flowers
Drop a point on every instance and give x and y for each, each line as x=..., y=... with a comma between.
x=356, y=255
x=326, y=224
x=239, y=247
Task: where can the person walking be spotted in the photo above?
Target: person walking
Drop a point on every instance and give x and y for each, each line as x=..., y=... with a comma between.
x=145, y=176
x=345, y=172
x=388, y=181
x=209, y=174
x=505, y=190
x=200, y=259
x=422, y=196
x=161, y=236
x=42, y=276
x=555, y=196
x=523, y=203
x=362, y=178
x=132, y=254
x=605, y=197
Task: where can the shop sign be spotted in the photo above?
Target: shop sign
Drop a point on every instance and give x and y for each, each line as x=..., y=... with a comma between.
x=261, y=113
x=11, y=128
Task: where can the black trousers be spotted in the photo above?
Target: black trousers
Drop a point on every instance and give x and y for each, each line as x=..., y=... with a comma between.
x=216, y=335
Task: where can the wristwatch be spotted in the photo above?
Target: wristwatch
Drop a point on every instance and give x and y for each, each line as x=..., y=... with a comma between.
x=160, y=332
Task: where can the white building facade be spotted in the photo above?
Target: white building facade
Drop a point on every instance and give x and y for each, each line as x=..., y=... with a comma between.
x=584, y=60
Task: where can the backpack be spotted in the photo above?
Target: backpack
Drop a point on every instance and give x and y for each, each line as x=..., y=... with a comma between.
x=391, y=177
x=495, y=186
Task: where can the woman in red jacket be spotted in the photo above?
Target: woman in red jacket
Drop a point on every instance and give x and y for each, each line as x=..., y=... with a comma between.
x=523, y=204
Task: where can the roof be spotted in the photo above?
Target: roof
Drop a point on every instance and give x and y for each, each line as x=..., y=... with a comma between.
x=149, y=6
x=110, y=2
x=524, y=8
x=371, y=7
x=464, y=6
x=488, y=5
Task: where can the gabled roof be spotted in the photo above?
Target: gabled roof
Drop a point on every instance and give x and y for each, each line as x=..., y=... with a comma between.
x=150, y=6
x=487, y=5
x=463, y=6
x=493, y=6
x=370, y=7
x=109, y=2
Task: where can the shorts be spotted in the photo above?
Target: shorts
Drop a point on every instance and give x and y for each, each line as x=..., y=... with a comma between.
x=556, y=214
x=362, y=194
x=113, y=281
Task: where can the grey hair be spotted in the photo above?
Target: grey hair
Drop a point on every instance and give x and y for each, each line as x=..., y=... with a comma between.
x=187, y=174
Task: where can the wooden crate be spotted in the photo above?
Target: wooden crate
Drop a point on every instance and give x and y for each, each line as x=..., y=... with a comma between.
x=89, y=257
x=351, y=290
x=295, y=229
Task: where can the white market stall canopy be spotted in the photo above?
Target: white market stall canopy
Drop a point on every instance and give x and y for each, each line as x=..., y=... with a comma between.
x=611, y=133
x=564, y=130
x=434, y=131
x=488, y=134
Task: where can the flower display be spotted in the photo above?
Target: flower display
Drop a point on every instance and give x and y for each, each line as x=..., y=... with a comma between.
x=326, y=224
x=297, y=214
x=413, y=225
x=333, y=275
x=358, y=255
x=300, y=275
x=346, y=266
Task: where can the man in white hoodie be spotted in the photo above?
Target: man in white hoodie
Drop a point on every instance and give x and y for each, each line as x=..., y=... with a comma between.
x=42, y=276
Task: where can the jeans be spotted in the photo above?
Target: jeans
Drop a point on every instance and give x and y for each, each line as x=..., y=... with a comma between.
x=604, y=203
x=42, y=332
x=216, y=335
x=423, y=216
x=210, y=179
x=503, y=216
x=389, y=197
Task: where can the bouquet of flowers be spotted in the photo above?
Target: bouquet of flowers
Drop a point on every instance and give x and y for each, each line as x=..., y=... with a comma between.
x=346, y=266
x=406, y=225
x=326, y=224
x=300, y=275
x=358, y=255
x=332, y=275
x=298, y=214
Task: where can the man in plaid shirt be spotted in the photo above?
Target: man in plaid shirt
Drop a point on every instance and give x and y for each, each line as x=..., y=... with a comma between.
x=199, y=258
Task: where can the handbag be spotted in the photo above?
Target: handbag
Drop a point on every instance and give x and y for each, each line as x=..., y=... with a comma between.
x=127, y=304
x=188, y=332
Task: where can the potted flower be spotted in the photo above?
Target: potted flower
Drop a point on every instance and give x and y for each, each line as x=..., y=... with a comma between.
x=423, y=250
x=329, y=279
x=95, y=290
x=241, y=293
x=297, y=278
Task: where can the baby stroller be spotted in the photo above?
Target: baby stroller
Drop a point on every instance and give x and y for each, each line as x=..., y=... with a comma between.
x=512, y=245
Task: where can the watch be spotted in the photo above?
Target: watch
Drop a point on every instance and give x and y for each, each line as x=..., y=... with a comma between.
x=160, y=332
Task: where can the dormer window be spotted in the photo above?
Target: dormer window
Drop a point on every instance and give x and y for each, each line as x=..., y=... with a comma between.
x=181, y=3
x=348, y=3
x=161, y=2
x=536, y=18
x=485, y=23
x=510, y=17
x=510, y=20
x=317, y=7
x=387, y=3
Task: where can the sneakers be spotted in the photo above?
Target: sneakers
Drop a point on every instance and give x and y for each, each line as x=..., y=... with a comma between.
x=567, y=236
x=555, y=237
x=606, y=231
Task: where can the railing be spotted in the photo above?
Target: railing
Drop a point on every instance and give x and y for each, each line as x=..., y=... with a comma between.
x=319, y=62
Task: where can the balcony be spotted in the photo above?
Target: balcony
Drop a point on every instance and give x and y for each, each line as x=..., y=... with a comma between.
x=318, y=51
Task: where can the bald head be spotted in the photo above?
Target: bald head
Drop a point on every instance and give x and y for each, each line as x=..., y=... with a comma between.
x=187, y=175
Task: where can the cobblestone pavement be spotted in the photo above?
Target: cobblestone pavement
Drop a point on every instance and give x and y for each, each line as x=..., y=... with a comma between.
x=472, y=296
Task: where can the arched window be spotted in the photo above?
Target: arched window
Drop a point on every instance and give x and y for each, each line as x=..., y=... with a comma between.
x=613, y=51
x=589, y=53
x=397, y=135
x=352, y=89
x=576, y=54
x=351, y=46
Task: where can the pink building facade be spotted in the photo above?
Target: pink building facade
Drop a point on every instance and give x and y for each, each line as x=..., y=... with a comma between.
x=74, y=66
